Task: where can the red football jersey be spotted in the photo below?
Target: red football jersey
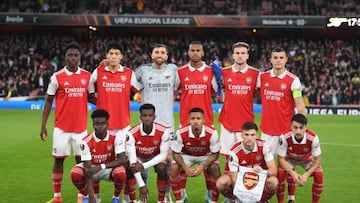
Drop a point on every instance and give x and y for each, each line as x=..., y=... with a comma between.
x=113, y=94
x=239, y=156
x=303, y=151
x=101, y=151
x=148, y=145
x=239, y=89
x=71, y=95
x=278, y=105
x=188, y=144
x=197, y=86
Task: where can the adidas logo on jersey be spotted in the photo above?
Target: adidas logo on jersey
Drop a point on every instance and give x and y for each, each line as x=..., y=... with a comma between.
x=104, y=77
x=243, y=162
x=150, y=78
x=138, y=142
x=66, y=83
x=266, y=84
x=187, y=79
x=229, y=80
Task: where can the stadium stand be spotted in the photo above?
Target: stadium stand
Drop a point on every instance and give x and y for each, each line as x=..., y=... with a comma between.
x=186, y=7
x=328, y=66
x=329, y=69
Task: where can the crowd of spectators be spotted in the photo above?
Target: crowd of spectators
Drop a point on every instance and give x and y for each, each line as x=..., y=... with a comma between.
x=187, y=7
x=329, y=69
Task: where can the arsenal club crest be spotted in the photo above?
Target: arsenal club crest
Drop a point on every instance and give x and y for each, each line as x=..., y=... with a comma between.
x=250, y=180
x=283, y=86
x=203, y=143
x=109, y=147
x=205, y=78
x=156, y=142
x=123, y=78
x=248, y=80
x=83, y=81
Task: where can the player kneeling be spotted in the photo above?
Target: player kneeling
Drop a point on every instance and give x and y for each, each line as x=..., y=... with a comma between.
x=103, y=158
x=250, y=159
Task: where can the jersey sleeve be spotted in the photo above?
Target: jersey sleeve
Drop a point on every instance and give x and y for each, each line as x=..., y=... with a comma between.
x=315, y=147
x=53, y=86
x=93, y=80
x=214, y=84
x=135, y=84
x=85, y=151
x=214, y=143
x=296, y=84
x=233, y=162
x=130, y=148
x=177, y=143
x=282, y=147
x=119, y=144
x=268, y=154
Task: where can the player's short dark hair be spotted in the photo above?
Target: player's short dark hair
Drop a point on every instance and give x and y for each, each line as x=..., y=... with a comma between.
x=159, y=45
x=114, y=45
x=300, y=118
x=195, y=42
x=278, y=49
x=249, y=126
x=100, y=113
x=240, y=44
x=147, y=106
x=196, y=109
x=72, y=45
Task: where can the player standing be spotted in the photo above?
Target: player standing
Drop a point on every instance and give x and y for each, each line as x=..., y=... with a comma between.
x=197, y=83
x=299, y=147
x=69, y=86
x=113, y=84
x=280, y=95
x=240, y=88
x=159, y=80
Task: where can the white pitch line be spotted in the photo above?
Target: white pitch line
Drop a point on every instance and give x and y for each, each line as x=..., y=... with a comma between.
x=335, y=144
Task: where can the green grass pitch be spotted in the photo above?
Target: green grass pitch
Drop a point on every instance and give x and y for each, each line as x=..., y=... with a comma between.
x=26, y=162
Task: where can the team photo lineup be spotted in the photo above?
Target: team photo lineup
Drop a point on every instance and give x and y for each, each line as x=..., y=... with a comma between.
x=122, y=154
x=147, y=110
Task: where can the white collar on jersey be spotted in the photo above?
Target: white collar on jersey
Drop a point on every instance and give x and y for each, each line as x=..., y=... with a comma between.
x=121, y=68
x=144, y=134
x=303, y=141
x=242, y=70
x=69, y=72
x=247, y=151
x=202, y=134
x=192, y=69
x=281, y=76
x=105, y=139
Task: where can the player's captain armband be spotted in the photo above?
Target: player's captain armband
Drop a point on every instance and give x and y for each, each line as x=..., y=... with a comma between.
x=297, y=93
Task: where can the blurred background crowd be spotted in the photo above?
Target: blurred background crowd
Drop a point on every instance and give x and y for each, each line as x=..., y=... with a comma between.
x=328, y=67
x=186, y=7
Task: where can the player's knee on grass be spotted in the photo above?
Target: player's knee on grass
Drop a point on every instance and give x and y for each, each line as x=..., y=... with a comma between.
x=272, y=183
x=223, y=183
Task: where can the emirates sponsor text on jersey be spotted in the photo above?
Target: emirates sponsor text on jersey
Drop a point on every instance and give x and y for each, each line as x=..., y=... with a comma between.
x=100, y=158
x=239, y=89
x=113, y=86
x=273, y=95
x=75, y=91
x=195, y=88
x=159, y=87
